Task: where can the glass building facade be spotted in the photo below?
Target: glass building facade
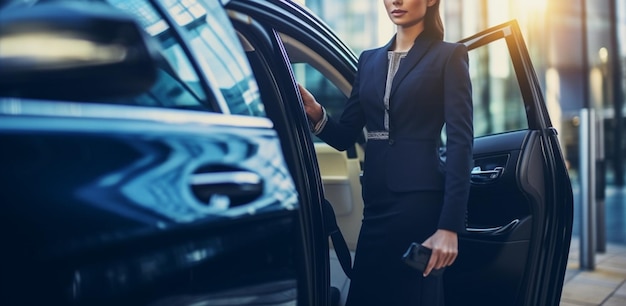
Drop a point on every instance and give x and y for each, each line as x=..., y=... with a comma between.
x=578, y=49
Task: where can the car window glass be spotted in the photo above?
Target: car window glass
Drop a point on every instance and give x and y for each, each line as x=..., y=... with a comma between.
x=498, y=104
x=177, y=86
x=221, y=57
x=220, y=53
x=325, y=92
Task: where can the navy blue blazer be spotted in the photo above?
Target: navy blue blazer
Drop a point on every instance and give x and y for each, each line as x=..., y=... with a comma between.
x=431, y=87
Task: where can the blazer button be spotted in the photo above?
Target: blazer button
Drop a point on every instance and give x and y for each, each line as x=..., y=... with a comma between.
x=391, y=142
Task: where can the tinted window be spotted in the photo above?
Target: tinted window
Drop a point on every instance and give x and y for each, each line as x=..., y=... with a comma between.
x=325, y=92
x=220, y=58
x=498, y=104
x=220, y=54
x=322, y=88
x=178, y=85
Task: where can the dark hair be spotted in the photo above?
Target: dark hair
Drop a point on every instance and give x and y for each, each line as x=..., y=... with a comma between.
x=433, y=26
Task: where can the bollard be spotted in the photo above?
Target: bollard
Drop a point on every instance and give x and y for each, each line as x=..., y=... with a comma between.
x=587, y=147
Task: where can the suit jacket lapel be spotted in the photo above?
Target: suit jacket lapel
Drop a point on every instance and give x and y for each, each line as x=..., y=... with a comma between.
x=381, y=64
x=420, y=47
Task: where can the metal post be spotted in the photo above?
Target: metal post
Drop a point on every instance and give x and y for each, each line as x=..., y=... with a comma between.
x=600, y=185
x=618, y=95
x=587, y=182
x=587, y=149
x=605, y=59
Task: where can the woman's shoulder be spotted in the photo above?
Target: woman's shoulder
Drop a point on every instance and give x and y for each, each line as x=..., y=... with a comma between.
x=367, y=53
x=448, y=49
x=373, y=50
x=448, y=45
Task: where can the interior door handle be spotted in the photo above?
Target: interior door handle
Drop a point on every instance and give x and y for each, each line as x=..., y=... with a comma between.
x=479, y=175
x=494, y=230
x=239, y=185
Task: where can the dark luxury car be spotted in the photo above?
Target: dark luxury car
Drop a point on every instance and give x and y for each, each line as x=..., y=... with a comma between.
x=156, y=152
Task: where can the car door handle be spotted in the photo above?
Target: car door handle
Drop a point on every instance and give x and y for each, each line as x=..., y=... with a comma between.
x=480, y=176
x=494, y=230
x=239, y=185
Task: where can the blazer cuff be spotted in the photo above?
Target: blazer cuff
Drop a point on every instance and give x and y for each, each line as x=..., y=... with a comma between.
x=319, y=126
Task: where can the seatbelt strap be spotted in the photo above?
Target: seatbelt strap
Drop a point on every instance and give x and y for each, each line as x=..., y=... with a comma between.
x=339, y=243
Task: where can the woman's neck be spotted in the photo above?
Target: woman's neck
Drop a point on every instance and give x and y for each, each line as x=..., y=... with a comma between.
x=405, y=37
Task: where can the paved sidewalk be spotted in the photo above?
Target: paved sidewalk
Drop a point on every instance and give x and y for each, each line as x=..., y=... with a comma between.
x=605, y=285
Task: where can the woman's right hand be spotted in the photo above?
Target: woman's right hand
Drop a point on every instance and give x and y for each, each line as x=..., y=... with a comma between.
x=445, y=248
x=311, y=107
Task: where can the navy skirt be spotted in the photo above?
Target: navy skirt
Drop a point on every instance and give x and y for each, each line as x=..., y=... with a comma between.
x=391, y=221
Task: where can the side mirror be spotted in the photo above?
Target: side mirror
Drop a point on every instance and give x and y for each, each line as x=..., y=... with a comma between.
x=74, y=51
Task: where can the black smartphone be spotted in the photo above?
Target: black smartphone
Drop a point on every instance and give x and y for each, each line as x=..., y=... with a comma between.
x=417, y=256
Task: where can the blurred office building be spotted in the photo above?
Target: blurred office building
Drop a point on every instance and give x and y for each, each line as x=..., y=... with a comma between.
x=578, y=49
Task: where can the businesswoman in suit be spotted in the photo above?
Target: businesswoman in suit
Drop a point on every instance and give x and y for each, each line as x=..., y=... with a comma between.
x=403, y=94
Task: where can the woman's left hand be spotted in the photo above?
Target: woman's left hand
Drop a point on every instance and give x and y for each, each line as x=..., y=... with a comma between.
x=444, y=244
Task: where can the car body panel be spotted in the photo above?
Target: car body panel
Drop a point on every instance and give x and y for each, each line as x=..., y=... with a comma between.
x=89, y=196
x=166, y=197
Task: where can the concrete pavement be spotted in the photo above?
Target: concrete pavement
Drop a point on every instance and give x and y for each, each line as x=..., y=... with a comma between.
x=606, y=284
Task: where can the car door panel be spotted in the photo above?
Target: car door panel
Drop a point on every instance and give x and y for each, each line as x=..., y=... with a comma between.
x=264, y=51
x=116, y=197
x=494, y=252
x=485, y=211
x=514, y=185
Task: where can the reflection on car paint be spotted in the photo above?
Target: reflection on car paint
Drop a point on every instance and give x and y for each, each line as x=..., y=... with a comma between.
x=156, y=184
x=93, y=282
x=152, y=185
x=185, y=119
x=155, y=181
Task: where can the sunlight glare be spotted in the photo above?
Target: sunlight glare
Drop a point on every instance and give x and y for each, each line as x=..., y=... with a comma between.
x=533, y=6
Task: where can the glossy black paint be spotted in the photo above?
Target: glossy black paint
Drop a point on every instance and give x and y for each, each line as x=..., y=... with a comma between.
x=107, y=204
x=88, y=199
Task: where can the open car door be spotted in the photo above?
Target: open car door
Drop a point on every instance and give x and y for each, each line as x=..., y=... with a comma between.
x=520, y=211
x=285, y=44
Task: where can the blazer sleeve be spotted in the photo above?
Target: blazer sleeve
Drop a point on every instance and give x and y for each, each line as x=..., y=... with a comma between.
x=458, y=115
x=343, y=134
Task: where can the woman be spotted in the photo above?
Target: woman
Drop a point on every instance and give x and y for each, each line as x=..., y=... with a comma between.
x=403, y=94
